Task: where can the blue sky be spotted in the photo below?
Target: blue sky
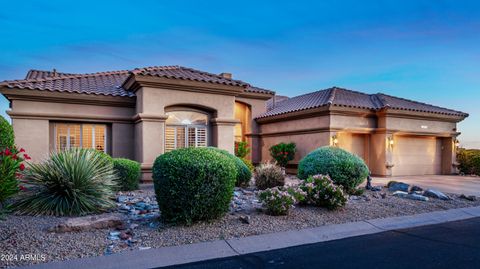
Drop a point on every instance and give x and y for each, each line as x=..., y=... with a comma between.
x=422, y=50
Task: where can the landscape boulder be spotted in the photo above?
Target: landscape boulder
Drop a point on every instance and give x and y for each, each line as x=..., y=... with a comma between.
x=406, y=195
x=89, y=223
x=435, y=194
x=398, y=186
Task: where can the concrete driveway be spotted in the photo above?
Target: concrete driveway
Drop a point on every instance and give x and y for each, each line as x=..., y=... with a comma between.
x=445, y=183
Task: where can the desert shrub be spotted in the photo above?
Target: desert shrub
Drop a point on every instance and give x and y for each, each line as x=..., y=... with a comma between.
x=10, y=167
x=241, y=149
x=244, y=174
x=6, y=135
x=344, y=168
x=321, y=191
x=193, y=184
x=72, y=182
x=128, y=173
x=283, y=153
x=269, y=175
x=277, y=201
x=469, y=161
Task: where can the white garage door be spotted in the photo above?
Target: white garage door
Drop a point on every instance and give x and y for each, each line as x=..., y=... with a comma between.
x=417, y=156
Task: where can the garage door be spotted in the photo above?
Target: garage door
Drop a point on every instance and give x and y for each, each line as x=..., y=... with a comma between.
x=417, y=156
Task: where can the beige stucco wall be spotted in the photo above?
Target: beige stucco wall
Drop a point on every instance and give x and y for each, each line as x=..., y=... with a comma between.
x=95, y=112
x=352, y=122
x=33, y=124
x=417, y=125
x=33, y=136
x=122, y=140
x=305, y=144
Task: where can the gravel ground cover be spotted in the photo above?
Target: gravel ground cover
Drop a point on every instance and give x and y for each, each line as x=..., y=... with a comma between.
x=26, y=240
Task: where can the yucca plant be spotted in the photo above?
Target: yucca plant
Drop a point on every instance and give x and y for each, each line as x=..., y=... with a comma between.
x=73, y=182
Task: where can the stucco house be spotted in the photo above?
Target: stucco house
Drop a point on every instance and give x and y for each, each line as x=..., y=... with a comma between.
x=142, y=113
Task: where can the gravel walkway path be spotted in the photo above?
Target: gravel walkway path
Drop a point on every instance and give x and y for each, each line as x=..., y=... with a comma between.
x=25, y=239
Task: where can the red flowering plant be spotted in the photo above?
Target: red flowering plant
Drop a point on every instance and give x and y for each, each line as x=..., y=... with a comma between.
x=283, y=153
x=11, y=166
x=241, y=149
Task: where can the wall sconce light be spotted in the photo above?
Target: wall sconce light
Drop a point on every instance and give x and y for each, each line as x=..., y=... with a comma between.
x=390, y=141
x=334, y=140
x=456, y=143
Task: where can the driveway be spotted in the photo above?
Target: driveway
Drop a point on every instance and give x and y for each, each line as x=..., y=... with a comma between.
x=445, y=183
x=447, y=245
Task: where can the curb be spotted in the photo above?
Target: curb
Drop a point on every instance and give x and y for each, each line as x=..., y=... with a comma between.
x=183, y=254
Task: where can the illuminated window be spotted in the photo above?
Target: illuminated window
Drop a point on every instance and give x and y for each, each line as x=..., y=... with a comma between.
x=75, y=135
x=186, y=129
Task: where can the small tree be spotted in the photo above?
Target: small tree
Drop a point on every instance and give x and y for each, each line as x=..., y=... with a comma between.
x=283, y=153
x=241, y=149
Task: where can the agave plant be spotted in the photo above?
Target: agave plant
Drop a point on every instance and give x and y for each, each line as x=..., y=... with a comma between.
x=73, y=182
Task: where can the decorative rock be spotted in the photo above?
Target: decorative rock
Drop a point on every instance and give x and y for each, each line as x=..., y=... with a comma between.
x=415, y=189
x=435, y=194
x=245, y=219
x=403, y=194
x=471, y=198
x=398, y=186
x=122, y=198
x=124, y=236
x=376, y=188
x=89, y=223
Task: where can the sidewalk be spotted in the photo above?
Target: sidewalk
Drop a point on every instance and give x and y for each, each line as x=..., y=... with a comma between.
x=153, y=258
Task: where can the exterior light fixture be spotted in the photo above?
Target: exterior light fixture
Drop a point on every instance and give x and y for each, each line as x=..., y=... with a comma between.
x=457, y=143
x=390, y=141
x=334, y=140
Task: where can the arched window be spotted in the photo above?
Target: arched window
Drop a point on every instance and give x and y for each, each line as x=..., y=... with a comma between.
x=186, y=128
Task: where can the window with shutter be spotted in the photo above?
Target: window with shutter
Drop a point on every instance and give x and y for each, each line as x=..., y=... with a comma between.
x=77, y=135
x=186, y=129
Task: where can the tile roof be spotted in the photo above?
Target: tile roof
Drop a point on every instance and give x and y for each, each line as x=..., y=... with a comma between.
x=110, y=83
x=346, y=98
x=104, y=83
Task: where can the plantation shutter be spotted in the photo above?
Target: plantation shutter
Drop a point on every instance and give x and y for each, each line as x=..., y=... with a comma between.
x=201, y=137
x=169, y=139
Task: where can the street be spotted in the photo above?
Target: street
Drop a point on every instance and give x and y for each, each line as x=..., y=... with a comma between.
x=449, y=245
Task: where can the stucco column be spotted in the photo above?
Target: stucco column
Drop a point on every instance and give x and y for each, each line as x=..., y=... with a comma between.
x=149, y=140
x=449, y=156
x=224, y=133
x=381, y=155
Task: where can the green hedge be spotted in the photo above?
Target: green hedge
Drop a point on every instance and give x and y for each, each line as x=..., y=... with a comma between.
x=244, y=174
x=7, y=139
x=128, y=173
x=344, y=168
x=193, y=184
x=469, y=161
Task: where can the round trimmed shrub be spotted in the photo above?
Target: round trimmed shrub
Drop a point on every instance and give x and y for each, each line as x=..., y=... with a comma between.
x=6, y=134
x=193, y=184
x=128, y=173
x=344, y=168
x=244, y=174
